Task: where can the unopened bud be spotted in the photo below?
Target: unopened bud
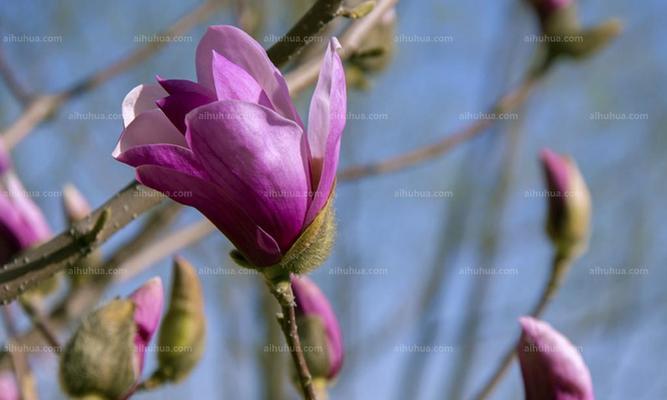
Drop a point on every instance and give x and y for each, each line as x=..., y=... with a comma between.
x=76, y=206
x=319, y=330
x=568, y=218
x=552, y=368
x=182, y=335
x=105, y=356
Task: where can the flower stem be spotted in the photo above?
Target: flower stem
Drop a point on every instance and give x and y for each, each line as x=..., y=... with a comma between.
x=282, y=291
x=561, y=264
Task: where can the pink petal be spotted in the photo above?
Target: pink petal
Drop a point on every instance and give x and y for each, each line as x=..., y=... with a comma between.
x=164, y=155
x=9, y=389
x=241, y=49
x=326, y=120
x=150, y=127
x=148, y=300
x=251, y=240
x=234, y=83
x=180, y=86
x=255, y=155
x=141, y=98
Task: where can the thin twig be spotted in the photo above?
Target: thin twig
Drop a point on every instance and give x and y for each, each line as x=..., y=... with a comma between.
x=353, y=38
x=559, y=269
x=14, y=86
x=282, y=291
x=41, y=107
x=313, y=21
x=41, y=324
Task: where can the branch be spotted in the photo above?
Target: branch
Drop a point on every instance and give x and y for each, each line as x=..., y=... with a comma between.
x=46, y=105
x=313, y=21
x=14, y=86
x=353, y=38
x=39, y=263
x=282, y=291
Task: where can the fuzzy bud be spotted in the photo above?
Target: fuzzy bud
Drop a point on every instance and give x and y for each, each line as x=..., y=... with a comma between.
x=105, y=356
x=552, y=368
x=568, y=218
x=75, y=205
x=183, y=331
x=318, y=329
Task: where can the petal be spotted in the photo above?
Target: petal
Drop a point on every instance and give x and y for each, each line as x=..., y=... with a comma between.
x=241, y=49
x=164, y=155
x=20, y=216
x=148, y=300
x=176, y=106
x=178, y=86
x=141, y=98
x=234, y=83
x=252, y=241
x=149, y=127
x=255, y=155
x=326, y=120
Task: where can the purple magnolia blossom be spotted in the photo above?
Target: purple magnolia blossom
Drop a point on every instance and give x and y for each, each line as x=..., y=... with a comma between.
x=551, y=366
x=22, y=223
x=310, y=301
x=8, y=386
x=233, y=146
x=148, y=301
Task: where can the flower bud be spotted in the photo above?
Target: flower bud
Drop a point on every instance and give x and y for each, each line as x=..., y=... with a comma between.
x=9, y=389
x=319, y=330
x=75, y=205
x=568, y=218
x=105, y=356
x=182, y=335
x=552, y=368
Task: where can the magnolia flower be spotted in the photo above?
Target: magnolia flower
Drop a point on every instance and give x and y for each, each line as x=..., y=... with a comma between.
x=22, y=223
x=318, y=326
x=568, y=218
x=105, y=356
x=233, y=146
x=551, y=366
x=8, y=386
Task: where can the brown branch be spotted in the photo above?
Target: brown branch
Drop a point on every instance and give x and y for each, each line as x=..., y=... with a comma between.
x=313, y=21
x=282, y=291
x=43, y=106
x=353, y=38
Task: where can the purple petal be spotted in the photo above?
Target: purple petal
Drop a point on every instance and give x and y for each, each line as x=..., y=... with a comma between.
x=241, y=49
x=140, y=99
x=180, y=86
x=147, y=301
x=150, y=127
x=254, y=155
x=551, y=366
x=176, y=106
x=164, y=155
x=326, y=120
x=310, y=301
x=234, y=83
x=556, y=168
x=252, y=241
